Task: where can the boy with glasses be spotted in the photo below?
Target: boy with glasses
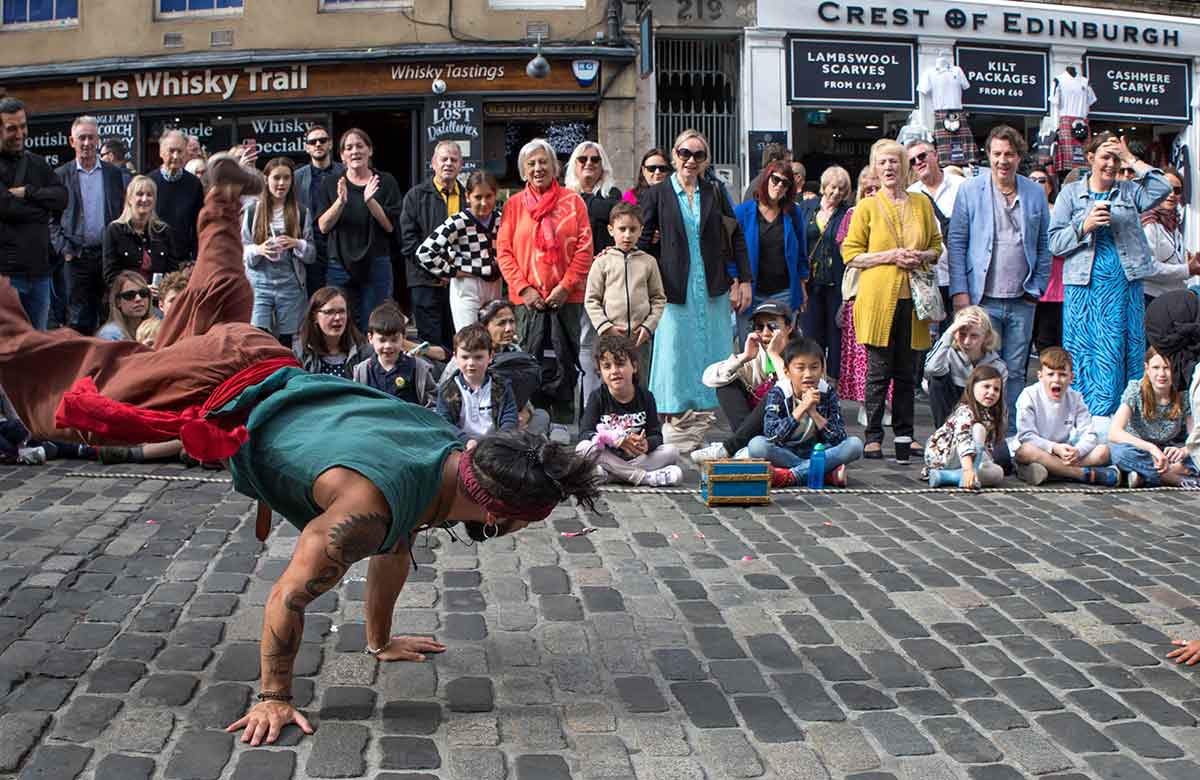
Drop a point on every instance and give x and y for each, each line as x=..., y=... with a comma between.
x=319, y=145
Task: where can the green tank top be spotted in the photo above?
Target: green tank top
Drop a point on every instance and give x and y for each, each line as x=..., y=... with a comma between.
x=301, y=425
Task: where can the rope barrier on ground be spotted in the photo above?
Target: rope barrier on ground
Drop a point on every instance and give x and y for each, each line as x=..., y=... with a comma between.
x=864, y=491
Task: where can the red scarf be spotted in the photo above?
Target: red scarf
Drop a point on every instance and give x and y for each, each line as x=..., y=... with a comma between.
x=1168, y=218
x=540, y=205
x=205, y=437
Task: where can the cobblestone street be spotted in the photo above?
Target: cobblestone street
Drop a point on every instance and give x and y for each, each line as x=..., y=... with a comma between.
x=867, y=636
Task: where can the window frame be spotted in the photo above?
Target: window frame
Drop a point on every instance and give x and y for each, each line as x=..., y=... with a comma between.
x=361, y=6
x=199, y=13
x=47, y=24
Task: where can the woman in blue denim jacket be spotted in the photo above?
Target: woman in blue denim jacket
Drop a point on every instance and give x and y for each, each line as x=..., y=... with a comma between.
x=1097, y=228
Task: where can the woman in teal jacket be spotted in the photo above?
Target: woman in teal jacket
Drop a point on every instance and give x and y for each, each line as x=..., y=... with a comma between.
x=775, y=243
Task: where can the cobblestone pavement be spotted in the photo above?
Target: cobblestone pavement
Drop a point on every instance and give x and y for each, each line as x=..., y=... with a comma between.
x=982, y=637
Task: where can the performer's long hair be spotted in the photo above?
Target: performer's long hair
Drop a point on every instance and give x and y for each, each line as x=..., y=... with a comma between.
x=523, y=469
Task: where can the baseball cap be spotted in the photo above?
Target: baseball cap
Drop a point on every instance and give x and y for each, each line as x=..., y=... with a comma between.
x=773, y=308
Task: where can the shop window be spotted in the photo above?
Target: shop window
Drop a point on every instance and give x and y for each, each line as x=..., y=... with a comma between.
x=41, y=12
x=536, y=5
x=175, y=8
x=363, y=5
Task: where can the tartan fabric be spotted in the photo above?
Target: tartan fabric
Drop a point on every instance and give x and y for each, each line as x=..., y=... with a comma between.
x=957, y=148
x=1070, y=153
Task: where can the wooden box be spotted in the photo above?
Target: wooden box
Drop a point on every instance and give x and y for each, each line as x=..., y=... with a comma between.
x=735, y=482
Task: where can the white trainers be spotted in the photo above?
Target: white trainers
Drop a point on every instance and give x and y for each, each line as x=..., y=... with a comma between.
x=714, y=451
x=1033, y=473
x=560, y=433
x=1135, y=480
x=31, y=456
x=671, y=475
x=742, y=454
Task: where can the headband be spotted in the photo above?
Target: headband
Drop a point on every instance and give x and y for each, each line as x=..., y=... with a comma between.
x=495, y=506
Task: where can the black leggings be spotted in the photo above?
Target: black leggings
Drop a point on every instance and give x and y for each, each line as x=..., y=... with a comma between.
x=746, y=421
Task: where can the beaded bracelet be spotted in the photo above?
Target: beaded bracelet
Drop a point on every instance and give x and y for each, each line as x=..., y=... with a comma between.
x=274, y=696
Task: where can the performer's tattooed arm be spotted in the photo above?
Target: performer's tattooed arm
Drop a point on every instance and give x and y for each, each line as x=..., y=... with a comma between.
x=326, y=550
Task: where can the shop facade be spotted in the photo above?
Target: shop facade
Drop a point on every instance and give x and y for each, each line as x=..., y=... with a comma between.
x=489, y=106
x=836, y=75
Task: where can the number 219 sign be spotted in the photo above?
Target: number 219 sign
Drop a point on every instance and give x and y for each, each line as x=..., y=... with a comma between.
x=697, y=11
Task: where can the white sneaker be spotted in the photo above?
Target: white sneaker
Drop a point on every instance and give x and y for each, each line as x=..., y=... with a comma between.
x=1033, y=473
x=560, y=434
x=862, y=415
x=31, y=456
x=601, y=476
x=714, y=451
x=742, y=454
x=671, y=475
x=1135, y=480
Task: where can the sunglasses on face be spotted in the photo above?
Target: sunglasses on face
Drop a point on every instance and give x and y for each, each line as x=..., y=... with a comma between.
x=779, y=180
x=131, y=295
x=1177, y=191
x=686, y=154
x=584, y=159
x=918, y=158
x=317, y=141
x=657, y=168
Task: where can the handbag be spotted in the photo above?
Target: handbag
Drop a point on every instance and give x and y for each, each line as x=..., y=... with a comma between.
x=926, y=297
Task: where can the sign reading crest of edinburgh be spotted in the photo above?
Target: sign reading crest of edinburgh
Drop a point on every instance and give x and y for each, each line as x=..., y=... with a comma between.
x=834, y=72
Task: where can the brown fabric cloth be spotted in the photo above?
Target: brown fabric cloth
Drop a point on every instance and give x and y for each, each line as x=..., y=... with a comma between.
x=205, y=339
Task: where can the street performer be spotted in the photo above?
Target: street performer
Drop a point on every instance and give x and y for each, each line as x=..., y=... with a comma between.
x=358, y=473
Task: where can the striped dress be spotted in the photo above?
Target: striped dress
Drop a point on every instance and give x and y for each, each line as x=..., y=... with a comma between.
x=1104, y=327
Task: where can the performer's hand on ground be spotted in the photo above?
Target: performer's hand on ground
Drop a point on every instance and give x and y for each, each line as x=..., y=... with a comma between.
x=1187, y=652
x=410, y=648
x=266, y=719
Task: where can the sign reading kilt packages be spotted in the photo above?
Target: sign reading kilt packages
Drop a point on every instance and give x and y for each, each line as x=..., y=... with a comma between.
x=1005, y=80
x=842, y=72
x=1140, y=89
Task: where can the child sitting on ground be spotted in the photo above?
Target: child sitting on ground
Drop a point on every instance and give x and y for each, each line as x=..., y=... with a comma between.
x=474, y=400
x=391, y=369
x=957, y=454
x=624, y=288
x=1149, y=429
x=801, y=411
x=970, y=341
x=17, y=447
x=620, y=422
x=1054, y=428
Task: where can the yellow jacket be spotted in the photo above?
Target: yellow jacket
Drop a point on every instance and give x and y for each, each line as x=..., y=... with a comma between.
x=879, y=287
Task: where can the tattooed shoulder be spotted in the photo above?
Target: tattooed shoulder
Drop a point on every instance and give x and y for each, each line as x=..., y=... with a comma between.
x=357, y=537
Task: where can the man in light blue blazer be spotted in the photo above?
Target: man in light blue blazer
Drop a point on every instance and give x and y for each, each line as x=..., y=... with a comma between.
x=998, y=252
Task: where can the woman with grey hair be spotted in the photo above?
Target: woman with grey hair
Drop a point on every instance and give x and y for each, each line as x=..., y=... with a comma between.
x=544, y=249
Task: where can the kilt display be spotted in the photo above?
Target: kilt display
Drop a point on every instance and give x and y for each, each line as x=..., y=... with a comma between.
x=957, y=148
x=1071, y=152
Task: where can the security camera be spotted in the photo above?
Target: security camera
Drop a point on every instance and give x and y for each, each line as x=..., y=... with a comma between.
x=439, y=87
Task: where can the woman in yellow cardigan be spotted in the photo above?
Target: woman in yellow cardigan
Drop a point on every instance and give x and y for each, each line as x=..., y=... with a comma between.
x=891, y=233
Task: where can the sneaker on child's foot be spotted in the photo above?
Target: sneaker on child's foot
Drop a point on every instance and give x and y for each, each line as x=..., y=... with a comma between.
x=837, y=477
x=714, y=451
x=1032, y=473
x=1108, y=476
x=560, y=433
x=31, y=456
x=601, y=476
x=1135, y=480
x=1190, y=483
x=781, y=478
x=670, y=475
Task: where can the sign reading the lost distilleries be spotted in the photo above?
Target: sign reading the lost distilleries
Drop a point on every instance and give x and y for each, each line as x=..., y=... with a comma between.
x=1004, y=80
x=458, y=119
x=835, y=72
x=1140, y=89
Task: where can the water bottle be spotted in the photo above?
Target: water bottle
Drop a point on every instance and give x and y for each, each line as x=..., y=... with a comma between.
x=816, y=468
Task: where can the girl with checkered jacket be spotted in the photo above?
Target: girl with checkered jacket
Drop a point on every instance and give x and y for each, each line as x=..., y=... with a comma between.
x=462, y=249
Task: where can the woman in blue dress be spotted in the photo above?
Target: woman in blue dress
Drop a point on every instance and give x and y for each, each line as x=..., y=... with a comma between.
x=1097, y=229
x=705, y=273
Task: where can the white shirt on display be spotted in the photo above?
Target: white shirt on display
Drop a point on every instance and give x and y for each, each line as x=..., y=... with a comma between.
x=946, y=193
x=944, y=85
x=1073, y=95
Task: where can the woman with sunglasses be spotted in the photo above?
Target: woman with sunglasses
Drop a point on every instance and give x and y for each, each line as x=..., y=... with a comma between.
x=653, y=169
x=776, y=243
x=705, y=272
x=138, y=240
x=1173, y=263
x=1097, y=229
x=128, y=307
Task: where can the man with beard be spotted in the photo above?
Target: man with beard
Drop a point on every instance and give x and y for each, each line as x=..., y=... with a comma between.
x=319, y=144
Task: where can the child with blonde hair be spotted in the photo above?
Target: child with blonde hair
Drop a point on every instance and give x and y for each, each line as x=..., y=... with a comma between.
x=147, y=332
x=968, y=343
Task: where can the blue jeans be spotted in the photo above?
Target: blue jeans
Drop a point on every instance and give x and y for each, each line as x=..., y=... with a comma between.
x=744, y=319
x=848, y=451
x=365, y=296
x=34, y=292
x=1012, y=319
x=1127, y=457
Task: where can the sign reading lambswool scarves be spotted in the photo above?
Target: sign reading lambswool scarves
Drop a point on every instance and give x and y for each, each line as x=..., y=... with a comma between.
x=1004, y=80
x=835, y=72
x=1140, y=89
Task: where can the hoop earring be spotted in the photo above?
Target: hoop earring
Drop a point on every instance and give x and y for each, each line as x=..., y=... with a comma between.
x=495, y=531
